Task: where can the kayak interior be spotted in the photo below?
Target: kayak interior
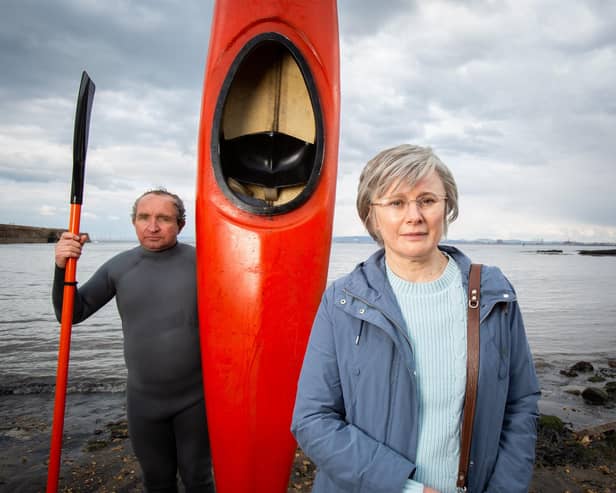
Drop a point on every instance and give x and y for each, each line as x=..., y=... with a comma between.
x=267, y=142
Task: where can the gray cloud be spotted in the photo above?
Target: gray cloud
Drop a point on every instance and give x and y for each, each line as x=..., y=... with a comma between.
x=122, y=43
x=517, y=97
x=360, y=18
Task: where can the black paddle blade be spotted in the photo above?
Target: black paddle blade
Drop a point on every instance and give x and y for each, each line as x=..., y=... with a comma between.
x=80, y=137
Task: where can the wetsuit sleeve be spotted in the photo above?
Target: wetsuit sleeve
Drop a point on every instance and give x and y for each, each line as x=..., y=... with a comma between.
x=516, y=454
x=92, y=296
x=349, y=457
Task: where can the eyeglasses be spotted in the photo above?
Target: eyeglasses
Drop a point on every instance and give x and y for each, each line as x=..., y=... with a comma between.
x=425, y=203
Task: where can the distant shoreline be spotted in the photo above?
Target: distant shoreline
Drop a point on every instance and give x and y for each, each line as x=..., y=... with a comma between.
x=485, y=241
x=16, y=233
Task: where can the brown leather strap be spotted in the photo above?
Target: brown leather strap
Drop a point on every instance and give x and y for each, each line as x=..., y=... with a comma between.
x=472, y=374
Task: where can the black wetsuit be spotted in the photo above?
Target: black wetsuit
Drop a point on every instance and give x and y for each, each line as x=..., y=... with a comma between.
x=156, y=295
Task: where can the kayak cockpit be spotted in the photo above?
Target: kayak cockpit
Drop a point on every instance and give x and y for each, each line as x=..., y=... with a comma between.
x=267, y=141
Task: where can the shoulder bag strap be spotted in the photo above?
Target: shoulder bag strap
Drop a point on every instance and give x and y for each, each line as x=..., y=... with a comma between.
x=472, y=375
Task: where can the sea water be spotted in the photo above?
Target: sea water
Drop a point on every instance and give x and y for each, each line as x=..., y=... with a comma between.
x=567, y=300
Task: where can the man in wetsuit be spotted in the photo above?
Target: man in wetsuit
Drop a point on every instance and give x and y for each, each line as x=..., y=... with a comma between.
x=156, y=294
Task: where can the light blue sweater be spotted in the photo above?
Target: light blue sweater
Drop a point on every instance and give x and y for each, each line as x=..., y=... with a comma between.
x=435, y=314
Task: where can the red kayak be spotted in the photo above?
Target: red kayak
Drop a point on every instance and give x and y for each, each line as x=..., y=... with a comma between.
x=268, y=150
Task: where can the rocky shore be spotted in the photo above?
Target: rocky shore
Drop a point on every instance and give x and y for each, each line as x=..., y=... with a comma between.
x=600, y=385
x=102, y=460
x=566, y=462
x=97, y=454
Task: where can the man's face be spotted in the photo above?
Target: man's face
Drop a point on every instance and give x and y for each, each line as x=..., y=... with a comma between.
x=156, y=222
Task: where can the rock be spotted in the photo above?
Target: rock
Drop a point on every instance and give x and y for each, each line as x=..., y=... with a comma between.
x=596, y=379
x=569, y=373
x=611, y=363
x=93, y=445
x=608, y=372
x=610, y=387
x=595, y=396
x=574, y=389
x=119, y=429
x=549, y=422
x=582, y=366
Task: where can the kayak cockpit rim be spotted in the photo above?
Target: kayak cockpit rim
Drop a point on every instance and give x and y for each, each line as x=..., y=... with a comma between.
x=267, y=146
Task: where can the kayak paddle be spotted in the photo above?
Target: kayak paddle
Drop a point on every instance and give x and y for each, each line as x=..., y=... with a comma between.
x=80, y=145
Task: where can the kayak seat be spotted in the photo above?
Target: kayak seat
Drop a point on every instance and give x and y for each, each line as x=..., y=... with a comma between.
x=268, y=159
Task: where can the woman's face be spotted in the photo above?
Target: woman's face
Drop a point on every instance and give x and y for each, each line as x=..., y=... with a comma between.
x=410, y=220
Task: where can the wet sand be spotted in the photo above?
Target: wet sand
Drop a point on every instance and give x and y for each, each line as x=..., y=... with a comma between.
x=97, y=455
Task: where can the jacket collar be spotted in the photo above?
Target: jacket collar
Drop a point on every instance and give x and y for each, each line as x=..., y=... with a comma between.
x=368, y=282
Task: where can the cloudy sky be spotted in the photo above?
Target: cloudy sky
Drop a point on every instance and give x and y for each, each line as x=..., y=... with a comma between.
x=517, y=97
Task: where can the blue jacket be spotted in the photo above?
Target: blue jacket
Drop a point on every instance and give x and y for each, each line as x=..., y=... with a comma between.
x=356, y=409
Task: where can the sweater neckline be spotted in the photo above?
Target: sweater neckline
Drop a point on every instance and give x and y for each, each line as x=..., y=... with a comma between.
x=444, y=281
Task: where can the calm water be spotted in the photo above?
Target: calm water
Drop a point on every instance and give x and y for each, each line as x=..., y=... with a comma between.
x=567, y=301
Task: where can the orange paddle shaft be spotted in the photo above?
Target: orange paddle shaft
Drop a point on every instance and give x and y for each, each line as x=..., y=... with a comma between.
x=68, y=300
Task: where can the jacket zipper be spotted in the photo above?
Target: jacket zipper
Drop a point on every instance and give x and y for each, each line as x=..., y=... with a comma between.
x=393, y=322
x=404, y=333
x=361, y=328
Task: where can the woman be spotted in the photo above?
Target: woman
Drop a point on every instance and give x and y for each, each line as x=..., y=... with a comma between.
x=379, y=400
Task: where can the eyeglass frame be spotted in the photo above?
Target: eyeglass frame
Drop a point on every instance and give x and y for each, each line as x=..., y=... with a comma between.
x=417, y=201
